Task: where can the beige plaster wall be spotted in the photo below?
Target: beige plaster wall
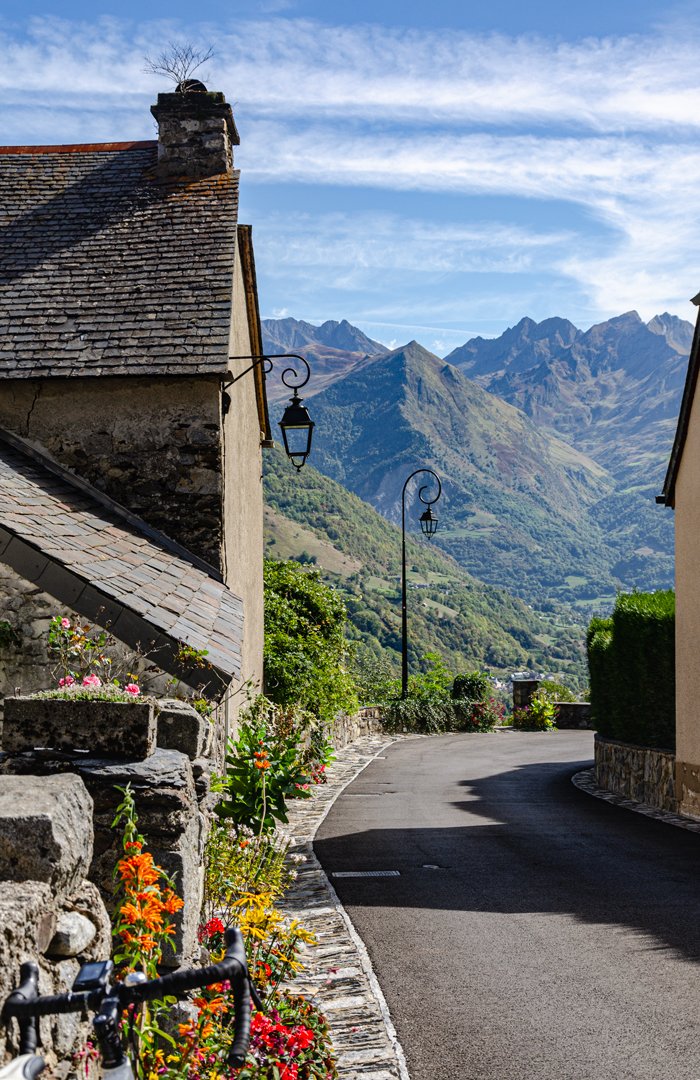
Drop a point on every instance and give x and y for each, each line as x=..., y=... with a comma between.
x=687, y=523
x=152, y=445
x=243, y=508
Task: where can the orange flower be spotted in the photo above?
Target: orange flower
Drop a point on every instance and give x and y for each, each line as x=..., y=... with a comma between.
x=130, y=913
x=172, y=902
x=139, y=868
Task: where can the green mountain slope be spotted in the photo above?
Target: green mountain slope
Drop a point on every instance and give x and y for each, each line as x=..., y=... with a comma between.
x=312, y=518
x=518, y=505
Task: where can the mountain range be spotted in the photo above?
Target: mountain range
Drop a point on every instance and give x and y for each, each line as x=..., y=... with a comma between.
x=612, y=391
x=333, y=349
x=551, y=443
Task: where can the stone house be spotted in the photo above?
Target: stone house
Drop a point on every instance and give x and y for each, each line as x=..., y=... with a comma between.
x=681, y=491
x=126, y=284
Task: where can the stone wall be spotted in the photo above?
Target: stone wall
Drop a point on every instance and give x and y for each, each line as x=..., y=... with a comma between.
x=24, y=661
x=49, y=911
x=152, y=445
x=636, y=772
x=573, y=714
x=172, y=795
x=346, y=729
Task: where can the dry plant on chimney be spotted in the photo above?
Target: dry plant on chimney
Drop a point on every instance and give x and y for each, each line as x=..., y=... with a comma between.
x=178, y=62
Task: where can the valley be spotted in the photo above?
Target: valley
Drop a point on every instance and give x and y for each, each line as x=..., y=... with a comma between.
x=551, y=443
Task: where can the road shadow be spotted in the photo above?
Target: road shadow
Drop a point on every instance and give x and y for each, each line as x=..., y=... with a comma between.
x=528, y=842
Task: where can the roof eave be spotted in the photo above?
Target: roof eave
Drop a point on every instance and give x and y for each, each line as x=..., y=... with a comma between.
x=668, y=493
x=245, y=245
x=85, y=597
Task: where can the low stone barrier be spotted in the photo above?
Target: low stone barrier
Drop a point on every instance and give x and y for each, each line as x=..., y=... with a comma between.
x=572, y=715
x=636, y=772
x=346, y=729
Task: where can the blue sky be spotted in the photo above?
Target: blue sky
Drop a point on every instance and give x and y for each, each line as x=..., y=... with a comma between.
x=425, y=170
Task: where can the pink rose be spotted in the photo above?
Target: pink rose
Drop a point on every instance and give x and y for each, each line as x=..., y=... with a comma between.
x=92, y=680
x=65, y=623
x=132, y=688
x=68, y=681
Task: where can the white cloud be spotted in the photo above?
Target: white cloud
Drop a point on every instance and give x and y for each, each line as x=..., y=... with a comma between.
x=609, y=126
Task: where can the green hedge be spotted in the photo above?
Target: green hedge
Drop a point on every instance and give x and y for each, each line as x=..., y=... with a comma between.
x=631, y=661
x=433, y=717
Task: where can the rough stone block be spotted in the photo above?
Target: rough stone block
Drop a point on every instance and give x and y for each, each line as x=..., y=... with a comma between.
x=88, y=902
x=110, y=729
x=184, y=862
x=181, y=727
x=45, y=830
x=74, y=934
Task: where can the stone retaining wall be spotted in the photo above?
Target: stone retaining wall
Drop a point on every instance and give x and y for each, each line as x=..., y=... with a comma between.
x=636, y=772
x=346, y=729
x=58, y=849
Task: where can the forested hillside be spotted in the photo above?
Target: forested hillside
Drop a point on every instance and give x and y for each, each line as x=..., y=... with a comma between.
x=311, y=518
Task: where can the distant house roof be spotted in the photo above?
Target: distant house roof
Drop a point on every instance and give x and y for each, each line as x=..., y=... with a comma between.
x=105, y=563
x=107, y=269
x=668, y=494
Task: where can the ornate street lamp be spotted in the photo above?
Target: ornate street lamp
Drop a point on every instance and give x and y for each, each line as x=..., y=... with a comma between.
x=296, y=424
x=428, y=524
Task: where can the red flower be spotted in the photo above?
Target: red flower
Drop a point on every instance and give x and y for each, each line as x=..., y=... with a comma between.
x=214, y=926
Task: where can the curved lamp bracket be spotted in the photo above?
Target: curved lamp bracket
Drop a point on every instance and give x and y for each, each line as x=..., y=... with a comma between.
x=266, y=362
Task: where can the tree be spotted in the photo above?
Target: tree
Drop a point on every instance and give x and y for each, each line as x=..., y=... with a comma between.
x=305, y=647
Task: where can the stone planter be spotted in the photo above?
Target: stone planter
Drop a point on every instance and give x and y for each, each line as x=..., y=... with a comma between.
x=105, y=729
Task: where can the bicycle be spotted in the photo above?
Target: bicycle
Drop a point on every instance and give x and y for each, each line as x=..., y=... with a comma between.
x=94, y=992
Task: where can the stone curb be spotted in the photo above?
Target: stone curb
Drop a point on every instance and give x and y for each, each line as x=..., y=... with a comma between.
x=585, y=781
x=338, y=972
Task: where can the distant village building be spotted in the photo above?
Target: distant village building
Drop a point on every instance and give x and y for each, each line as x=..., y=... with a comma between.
x=130, y=467
x=682, y=491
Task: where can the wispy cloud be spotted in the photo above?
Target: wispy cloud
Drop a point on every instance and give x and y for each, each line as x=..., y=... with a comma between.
x=608, y=126
x=290, y=67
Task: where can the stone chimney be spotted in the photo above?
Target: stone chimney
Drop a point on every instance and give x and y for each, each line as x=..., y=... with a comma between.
x=196, y=133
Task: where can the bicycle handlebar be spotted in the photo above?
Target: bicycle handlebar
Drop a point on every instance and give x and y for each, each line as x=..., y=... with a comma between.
x=23, y=1004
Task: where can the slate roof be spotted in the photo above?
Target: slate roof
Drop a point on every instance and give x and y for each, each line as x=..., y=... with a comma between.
x=668, y=494
x=111, y=567
x=105, y=270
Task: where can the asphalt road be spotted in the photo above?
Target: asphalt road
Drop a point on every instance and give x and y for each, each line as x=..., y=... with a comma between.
x=559, y=936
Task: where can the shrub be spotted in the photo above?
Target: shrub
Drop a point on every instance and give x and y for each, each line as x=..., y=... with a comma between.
x=601, y=674
x=472, y=687
x=434, y=717
x=631, y=660
x=556, y=691
x=306, y=653
x=537, y=716
x=264, y=768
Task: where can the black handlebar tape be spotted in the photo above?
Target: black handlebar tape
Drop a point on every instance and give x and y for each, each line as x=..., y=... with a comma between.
x=53, y=1004
x=27, y=991
x=179, y=982
x=241, y=1031
x=232, y=968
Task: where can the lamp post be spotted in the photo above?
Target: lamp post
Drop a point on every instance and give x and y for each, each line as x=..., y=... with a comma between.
x=296, y=424
x=428, y=524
